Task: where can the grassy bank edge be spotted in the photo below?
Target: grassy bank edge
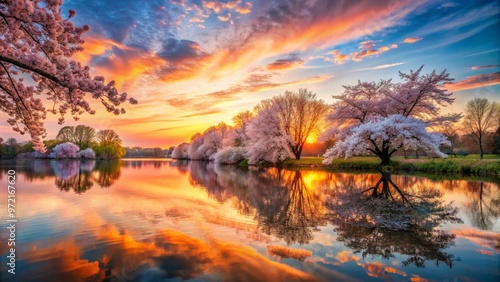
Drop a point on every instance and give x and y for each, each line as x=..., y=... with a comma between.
x=465, y=166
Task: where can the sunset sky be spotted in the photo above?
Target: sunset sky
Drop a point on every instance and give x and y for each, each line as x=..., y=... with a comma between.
x=195, y=63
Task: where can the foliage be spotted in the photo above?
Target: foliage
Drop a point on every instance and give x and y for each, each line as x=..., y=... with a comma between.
x=369, y=220
x=414, y=102
x=86, y=154
x=300, y=115
x=139, y=152
x=384, y=136
x=237, y=136
x=229, y=155
x=455, y=165
x=204, y=146
x=108, y=137
x=181, y=151
x=9, y=148
x=64, y=151
x=37, y=42
x=109, y=151
x=81, y=135
x=496, y=142
x=268, y=139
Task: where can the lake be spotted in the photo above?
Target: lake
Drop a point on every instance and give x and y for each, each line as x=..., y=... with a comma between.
x=166, y=220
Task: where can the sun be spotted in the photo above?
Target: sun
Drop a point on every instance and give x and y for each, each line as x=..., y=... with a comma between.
x=311, y=140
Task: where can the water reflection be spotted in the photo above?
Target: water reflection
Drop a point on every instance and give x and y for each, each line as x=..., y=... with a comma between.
x=279, y=200
x=70, y=175
x=483, y=206
x=180, y=220
x=381, y=220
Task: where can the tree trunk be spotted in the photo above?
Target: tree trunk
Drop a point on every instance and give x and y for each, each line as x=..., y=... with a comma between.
x=297, y=151
x=481, y=151
x=386, y=160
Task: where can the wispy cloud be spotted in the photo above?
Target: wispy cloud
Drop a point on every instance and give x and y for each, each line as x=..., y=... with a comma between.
x=339, y=58
x=367, y=53
x=411, y=40
x=476, y=81
x=141, y=120
x=253, y=83
x=203, y=113
x=168, y=128
x=381, y=67
x=483, y=52
x=283, y=64
x=485, y=67
x=461, y=18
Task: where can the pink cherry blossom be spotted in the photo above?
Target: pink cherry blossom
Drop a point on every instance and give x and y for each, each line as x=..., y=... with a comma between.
x=384, y=117
x=38, y=43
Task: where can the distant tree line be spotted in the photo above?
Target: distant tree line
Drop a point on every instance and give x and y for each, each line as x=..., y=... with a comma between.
x=140, y=152
x=79, y=141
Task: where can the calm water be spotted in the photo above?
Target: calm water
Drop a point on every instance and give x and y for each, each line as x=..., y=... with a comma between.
x=162, y=220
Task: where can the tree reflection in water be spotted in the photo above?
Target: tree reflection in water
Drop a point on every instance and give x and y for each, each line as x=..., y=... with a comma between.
x=483, y=206
x=385, y=219
x=290, y=210
x=278, y=199
x=80, y=176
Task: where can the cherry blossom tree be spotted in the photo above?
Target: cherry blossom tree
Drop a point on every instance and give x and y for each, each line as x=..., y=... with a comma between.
x=384, y=136
x=204, y=146
x=268, y=139
x=300, y=114
x=36, y=46
x=383, y=117
x=65, y=169
x=236, y=136
x=86, y=154
x=229, y=155
x=66, y=150
x=181, y=151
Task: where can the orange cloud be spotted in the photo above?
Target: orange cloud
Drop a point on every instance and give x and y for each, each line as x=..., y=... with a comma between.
x=236, y=5
x=416, y=278
x=485, y=252
x=277, y=31
x=366, y=44
x=118, y=62
x=96, y=46
x=224, y=18
x=476, y=81
x=345, y=256
x=339, y=58
x=411, y=40
x=486, y=239
x=281, y=252
x=377, y=269
x=196, y=20
x=366, y=53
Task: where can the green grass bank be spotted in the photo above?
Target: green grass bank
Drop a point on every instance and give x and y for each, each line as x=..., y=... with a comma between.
x=470, y=165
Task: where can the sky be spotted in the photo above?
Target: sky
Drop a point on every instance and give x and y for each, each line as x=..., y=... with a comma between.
x=194, y=63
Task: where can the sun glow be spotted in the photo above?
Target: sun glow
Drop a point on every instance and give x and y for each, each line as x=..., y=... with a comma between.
x=312, y=139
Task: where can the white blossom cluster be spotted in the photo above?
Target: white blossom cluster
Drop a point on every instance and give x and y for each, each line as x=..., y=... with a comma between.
x=69, y=150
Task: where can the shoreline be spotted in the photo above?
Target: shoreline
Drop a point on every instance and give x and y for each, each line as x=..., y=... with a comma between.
x=462, y=166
